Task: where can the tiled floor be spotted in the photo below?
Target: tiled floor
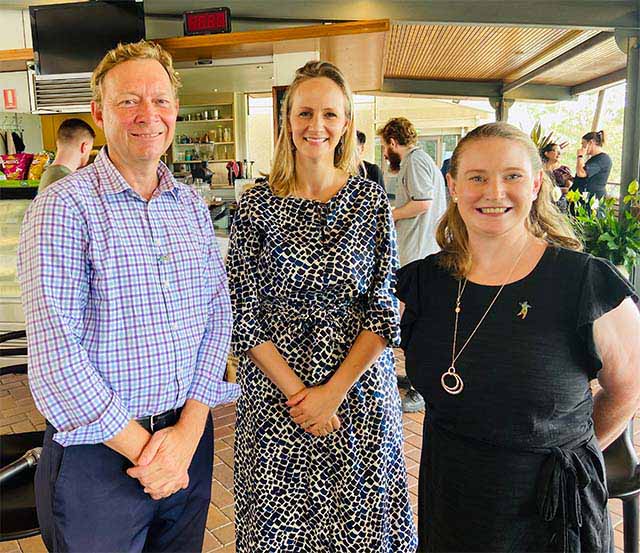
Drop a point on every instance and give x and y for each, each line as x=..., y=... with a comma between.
x=18, y=414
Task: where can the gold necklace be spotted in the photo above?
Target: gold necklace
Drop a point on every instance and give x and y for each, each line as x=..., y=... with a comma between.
x=451, y=373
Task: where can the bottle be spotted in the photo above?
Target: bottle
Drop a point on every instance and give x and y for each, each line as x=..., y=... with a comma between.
x=205, y=138
x=227, y=134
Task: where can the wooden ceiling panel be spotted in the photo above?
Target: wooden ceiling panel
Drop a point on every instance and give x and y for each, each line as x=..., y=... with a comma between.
x=469, y=52
x=595, y=62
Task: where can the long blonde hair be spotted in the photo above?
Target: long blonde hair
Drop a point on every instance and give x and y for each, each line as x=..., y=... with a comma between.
x=282, y=178
x=545, y=220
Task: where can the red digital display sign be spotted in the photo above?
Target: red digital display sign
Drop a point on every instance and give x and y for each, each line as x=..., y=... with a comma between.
x=207, y=22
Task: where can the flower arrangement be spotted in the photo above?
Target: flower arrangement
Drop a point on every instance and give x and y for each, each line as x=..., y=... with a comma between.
x=605, y=233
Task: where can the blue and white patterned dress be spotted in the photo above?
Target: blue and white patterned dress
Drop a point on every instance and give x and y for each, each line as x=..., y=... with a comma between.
x=310, y=276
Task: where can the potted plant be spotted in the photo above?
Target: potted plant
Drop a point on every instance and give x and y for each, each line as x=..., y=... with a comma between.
x=605, y=233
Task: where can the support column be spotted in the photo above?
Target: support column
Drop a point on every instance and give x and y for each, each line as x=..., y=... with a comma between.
x=595, y=123
x=631, y=130
x=501, y=106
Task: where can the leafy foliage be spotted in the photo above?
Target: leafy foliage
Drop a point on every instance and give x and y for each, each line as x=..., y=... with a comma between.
x=541, y=138
x=605, y=233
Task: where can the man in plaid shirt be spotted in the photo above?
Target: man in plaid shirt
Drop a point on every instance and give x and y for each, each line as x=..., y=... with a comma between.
x=128, y=321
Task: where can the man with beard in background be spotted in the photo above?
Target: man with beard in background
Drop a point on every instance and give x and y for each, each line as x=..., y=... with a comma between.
x=420, y=202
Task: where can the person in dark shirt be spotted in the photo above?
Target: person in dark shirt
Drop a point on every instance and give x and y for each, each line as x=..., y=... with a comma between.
x=367, y=170
x=592, y=174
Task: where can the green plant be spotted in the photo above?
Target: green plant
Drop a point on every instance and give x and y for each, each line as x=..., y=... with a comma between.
x=605, y=233
x=540, y=138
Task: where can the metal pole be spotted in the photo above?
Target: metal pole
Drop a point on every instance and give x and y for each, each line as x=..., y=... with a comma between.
x=631, y=130
x=596, y=114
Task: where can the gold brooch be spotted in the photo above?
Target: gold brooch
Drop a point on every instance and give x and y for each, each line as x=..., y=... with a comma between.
x=524, y=310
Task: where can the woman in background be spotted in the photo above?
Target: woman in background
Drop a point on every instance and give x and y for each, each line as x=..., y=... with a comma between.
x=593, y=165
x=559, y=174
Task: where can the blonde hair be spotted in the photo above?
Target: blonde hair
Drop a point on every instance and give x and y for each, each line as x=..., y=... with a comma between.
x=545, y=220
x=141, y=50
x=282, y=178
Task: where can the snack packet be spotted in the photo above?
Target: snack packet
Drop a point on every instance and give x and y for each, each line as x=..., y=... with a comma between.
x=38, y=165
x=16, y=166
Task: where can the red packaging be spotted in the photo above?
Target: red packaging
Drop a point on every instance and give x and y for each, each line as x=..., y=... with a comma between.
x=16, y=166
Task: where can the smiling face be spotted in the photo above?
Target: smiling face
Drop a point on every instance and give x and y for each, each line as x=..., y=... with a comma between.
x=138, y=112
x=495, y=186
x=317, y=118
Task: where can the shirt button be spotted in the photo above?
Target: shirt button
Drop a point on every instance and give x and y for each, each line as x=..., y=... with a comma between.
x=165, y=283
x=174, y=326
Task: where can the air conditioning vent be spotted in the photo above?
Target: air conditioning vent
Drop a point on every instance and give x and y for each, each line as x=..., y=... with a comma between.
x=61, y=93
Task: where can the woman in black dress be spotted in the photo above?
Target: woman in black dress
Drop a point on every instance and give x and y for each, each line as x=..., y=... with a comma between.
x=503, y=330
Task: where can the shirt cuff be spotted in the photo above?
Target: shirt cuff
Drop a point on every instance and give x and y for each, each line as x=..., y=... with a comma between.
x=213, y=394
x=111, y=422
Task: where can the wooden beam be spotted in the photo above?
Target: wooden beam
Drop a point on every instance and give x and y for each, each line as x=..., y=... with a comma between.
x=474, y=89
x=15, y=60
x=566, y=56
x=600, y=82
x=570, y=39
x=254, y=43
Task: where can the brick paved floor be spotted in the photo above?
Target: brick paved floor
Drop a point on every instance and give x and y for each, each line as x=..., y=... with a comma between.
x=18, y=414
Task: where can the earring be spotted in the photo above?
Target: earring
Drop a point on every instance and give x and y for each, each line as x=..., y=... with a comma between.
x=455, y=199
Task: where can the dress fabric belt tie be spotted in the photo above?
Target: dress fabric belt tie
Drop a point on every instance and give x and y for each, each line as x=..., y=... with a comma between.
x=562, y=477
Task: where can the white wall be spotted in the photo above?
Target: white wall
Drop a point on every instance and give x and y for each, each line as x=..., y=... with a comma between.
x=16, y=29
x=17, y=80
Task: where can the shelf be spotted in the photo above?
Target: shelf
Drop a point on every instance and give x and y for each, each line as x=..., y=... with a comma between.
x=21, y=183
x=205, y=144
x=206, y=121
x=201, y=160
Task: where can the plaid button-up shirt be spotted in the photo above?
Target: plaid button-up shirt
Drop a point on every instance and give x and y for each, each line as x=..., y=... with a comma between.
x=126, y=302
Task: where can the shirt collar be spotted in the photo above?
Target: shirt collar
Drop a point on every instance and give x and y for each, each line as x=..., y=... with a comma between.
x=111, y=180
x=403, y=161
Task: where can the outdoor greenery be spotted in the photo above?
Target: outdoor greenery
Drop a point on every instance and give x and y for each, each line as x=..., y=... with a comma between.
x=569, y=121
x=541, y=138
x=605, y=233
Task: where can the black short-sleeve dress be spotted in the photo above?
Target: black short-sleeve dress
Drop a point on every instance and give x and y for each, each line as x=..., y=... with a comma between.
x=511, y=463
x=309, y=277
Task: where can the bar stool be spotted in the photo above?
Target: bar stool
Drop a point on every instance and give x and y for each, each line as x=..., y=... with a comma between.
x=18, y=517
x=623, y=482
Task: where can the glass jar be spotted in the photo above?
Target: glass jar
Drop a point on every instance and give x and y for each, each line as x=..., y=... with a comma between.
x=227, y=134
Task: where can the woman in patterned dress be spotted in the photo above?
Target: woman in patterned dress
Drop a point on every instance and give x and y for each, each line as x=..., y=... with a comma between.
x=319, y=463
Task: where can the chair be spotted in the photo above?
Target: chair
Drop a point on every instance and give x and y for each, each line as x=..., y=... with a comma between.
x=623, y=482
x=19, y=368
x=18, y=517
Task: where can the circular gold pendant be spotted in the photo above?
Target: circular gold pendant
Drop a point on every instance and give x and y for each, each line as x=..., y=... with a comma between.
x=451, y=381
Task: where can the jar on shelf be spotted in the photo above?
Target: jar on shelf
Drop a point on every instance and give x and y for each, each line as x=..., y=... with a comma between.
x=227, y=134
